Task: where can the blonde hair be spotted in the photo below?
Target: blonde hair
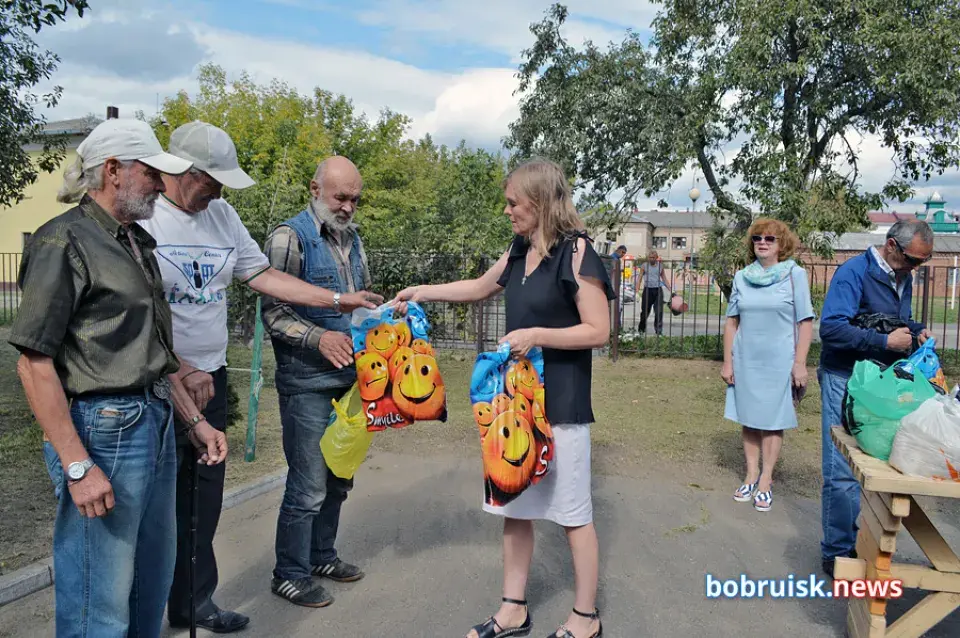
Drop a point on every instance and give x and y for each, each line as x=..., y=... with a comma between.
x=544, y=184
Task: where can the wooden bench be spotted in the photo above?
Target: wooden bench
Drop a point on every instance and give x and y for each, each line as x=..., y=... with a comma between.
x=887, y=505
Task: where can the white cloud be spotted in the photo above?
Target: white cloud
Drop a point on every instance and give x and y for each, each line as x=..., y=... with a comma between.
x=478, y=103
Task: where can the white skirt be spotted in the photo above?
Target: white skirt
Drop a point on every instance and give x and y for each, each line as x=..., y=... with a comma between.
x=564, y=495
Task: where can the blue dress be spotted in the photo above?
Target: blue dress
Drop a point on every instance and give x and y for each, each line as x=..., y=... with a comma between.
x=764, y=350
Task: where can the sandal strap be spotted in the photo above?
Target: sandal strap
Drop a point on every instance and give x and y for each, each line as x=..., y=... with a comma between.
x=593, y=616
x=514, y=601
x=489, y=629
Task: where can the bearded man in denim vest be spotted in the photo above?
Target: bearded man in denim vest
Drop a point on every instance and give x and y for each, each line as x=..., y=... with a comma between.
x=315, y=365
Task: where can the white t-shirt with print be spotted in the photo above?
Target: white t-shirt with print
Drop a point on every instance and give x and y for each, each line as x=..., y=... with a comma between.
x=199, y=255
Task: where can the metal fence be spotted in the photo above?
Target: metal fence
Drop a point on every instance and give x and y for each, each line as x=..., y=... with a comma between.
x=10, y=299
x=697, y=332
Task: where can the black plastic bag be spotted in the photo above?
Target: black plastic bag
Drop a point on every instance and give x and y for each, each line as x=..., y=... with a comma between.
x=882, y=323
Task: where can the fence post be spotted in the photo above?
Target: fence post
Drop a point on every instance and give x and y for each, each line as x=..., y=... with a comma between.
x=256, y=383
x=925, y=272
x=617, y=305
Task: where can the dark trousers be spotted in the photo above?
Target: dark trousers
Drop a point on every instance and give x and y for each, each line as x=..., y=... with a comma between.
x=210, y=500
x=652, y=297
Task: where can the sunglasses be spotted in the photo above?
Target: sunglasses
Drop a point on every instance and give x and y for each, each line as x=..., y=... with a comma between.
x=770, y=239
x=910, y=259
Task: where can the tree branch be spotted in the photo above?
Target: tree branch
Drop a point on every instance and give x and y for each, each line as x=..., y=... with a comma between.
x=723, y=199
x=790, y=94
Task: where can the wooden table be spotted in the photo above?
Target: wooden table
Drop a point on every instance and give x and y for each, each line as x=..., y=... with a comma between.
x=887, y=505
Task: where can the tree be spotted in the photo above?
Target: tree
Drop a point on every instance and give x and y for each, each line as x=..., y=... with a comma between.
x=22, y=66
x=781, y=86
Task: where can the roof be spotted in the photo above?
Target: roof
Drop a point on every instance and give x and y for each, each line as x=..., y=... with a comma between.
x=76, y=126
x=942, y=242
x=889, y=218
x=672, y=219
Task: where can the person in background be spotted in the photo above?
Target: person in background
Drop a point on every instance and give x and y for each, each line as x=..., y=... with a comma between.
x=877, y=281
x=202, y=247
x=768, y=334
x=564, y=311
x=98, y=369
x=620, y=252
x=650, y=277
x=315, y=365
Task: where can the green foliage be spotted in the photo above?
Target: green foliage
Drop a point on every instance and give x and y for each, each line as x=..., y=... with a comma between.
x=234, y=414
x=23, y=66
x=787, y=82
x=417, y=196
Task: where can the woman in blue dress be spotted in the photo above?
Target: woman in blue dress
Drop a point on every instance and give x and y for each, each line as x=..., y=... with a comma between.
x=765, y=344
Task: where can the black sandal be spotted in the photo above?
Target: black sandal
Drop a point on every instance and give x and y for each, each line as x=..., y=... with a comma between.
x=492, y=629
x=568, y=634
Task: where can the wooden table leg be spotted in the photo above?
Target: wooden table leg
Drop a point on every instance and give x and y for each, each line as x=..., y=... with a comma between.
x=944, y=575
x=924, y=615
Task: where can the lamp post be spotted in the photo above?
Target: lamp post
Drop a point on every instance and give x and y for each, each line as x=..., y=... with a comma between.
x=694, y=196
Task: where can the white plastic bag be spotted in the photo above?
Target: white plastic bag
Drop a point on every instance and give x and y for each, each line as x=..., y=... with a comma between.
x=928, y=441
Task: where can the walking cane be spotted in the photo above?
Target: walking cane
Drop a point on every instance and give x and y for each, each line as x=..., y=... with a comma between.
x=192, y=539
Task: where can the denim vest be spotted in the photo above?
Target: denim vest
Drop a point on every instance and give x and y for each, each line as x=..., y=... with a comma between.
x=305, y=369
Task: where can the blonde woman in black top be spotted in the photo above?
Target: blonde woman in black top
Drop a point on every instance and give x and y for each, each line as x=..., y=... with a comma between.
x=557, y=293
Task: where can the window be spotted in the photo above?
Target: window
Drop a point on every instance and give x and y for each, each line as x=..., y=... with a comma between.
x=611, y=237
x=679, y=242
x=659, y=242
x=26, y=239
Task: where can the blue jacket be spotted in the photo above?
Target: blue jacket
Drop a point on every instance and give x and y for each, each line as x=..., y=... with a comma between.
x=860, y=286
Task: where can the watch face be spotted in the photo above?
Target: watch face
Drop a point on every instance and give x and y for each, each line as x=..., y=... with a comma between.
x=75, y=471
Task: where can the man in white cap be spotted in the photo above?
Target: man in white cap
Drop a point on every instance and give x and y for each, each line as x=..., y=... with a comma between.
x=97, y=366
x=203, y=246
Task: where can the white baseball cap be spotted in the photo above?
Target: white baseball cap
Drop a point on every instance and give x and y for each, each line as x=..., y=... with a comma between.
x=212, y=151
x=127, y=140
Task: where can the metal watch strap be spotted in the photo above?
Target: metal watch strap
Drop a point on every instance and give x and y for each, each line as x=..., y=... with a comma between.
x=336, y=301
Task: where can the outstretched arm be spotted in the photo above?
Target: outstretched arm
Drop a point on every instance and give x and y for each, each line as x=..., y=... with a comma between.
x=466, y=290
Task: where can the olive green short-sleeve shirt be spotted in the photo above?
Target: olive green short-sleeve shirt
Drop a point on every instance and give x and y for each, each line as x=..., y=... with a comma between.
x=89, y=305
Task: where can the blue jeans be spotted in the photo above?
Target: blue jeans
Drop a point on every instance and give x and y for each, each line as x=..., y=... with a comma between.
x=310, y=511
x=840, y=495
x=113, y=573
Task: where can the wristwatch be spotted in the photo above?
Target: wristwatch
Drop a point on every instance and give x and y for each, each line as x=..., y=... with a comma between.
x=76, y=471
x=336, y=301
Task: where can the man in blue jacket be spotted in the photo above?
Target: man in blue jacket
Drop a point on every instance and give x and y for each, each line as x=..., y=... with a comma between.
x=878, y=281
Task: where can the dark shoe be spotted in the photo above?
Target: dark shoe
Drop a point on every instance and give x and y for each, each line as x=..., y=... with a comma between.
x=304, y=592
x=492, y=629
x=339, y=571
x=563, y=632
x=219, y=622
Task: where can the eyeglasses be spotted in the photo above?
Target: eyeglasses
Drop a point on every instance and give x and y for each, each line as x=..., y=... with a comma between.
x=770, y=239
x=910, y=259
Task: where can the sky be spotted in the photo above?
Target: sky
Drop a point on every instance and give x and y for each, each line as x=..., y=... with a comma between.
x=450, y=65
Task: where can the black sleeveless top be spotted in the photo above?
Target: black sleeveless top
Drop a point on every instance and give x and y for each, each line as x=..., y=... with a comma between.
x=547, y=300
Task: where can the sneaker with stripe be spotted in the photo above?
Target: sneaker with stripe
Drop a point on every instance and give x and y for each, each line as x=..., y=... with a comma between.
x=339, y=571
x=304, y=592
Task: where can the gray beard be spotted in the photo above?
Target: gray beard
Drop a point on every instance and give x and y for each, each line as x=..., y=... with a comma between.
x=327, y=217
x=134, y=208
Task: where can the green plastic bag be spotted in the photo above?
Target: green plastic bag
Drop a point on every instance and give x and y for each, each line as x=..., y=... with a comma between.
x=346, y=440
x=876, y=401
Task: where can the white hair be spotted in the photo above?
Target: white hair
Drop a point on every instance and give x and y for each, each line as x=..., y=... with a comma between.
x=76, y=181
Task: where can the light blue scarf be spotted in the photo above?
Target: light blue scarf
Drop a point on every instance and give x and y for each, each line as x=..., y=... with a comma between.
x=757, y=275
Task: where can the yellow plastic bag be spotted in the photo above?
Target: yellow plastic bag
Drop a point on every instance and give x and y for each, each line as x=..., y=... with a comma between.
x=346, y=441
